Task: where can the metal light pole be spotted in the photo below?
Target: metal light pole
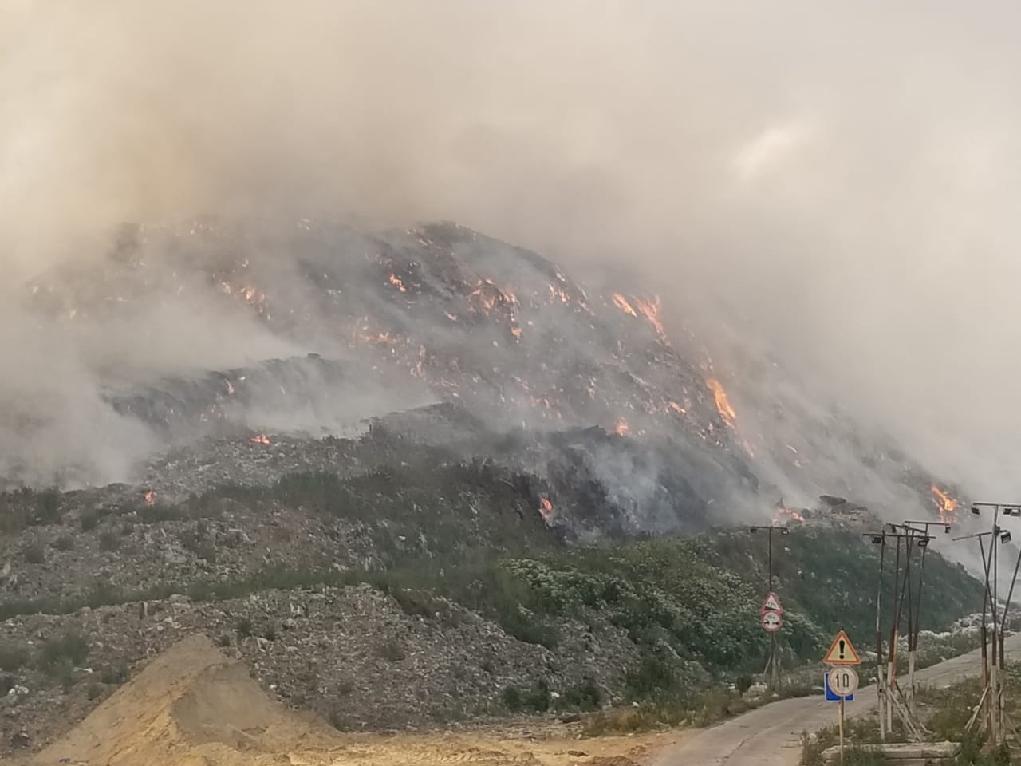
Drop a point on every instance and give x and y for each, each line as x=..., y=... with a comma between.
x=772, y=665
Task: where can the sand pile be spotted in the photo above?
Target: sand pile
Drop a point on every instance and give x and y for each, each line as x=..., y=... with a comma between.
x=193, y=706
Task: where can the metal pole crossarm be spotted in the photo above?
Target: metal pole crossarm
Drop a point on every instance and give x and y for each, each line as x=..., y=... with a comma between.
x=946, y=527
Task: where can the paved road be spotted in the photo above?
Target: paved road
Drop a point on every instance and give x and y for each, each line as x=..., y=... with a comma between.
x=771, y=735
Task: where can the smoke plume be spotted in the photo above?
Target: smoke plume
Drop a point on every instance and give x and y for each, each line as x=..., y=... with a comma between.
x=831, y=182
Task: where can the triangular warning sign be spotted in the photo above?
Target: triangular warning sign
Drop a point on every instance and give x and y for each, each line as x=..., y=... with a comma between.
x=772, y=604
x=842, y=651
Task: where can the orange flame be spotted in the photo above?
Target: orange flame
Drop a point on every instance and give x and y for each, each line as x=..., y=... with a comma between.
x=723, y=405
x=149, y=497
x=946, y=504
x=650, y=310
x=397, y=282
x=622, y=427
x=675, y=408
x=784, y=516
x=262, y=439
x=622, y=303
x=487, y=296
x=545, y=508
x=557, y=293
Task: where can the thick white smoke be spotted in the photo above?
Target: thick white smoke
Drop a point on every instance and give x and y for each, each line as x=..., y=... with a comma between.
x=839, y=179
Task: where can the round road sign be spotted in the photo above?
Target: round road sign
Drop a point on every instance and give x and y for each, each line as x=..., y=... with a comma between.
x=843, y=681
x=771, y=622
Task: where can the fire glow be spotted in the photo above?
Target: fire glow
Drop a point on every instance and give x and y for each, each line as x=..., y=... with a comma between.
x=946, y=504
x=650, y=310
x=260, y=439
x=149, y=497
x=723, y=405
x=397, y=282
x=545, y=508
x=784, y=516
x=624, y=305
x=622, y=427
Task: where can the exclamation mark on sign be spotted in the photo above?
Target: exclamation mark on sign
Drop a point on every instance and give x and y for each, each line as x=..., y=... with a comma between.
x=842, y=649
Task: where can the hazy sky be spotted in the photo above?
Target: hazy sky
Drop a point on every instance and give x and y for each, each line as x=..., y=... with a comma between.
x=843, y=175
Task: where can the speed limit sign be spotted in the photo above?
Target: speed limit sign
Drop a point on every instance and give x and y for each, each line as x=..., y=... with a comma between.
x=843, y=681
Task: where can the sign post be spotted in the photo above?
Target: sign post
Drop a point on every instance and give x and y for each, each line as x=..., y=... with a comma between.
x=771, y=620
x=841, y=680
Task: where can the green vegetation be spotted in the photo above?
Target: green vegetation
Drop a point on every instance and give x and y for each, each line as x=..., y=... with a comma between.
x=34, y=553
x=25, y=508
x=59, y=655
x=946, y=712
x=12, y=657
x=952, y=707
x=418, y=510
x=244, y=628
x=450, y=536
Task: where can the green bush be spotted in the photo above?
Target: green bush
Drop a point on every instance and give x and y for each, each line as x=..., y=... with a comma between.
x=650, y=678
x=47, y=507
x=244, y=628
x=109, y=541
x=64, y=543
x=585, y=697
x=34, y=553
x=67, y=651
x=89, y=520
x=12, y=657
x=511, y=697
x=535, y=699
x=114, y=675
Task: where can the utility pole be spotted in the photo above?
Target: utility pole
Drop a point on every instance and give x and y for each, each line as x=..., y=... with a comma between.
x=773, y=663
x=880, y=540
x=993, y=691
x=906, y=539
x=921, y=528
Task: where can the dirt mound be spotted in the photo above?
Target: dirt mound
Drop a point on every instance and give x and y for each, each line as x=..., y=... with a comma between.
x=191, y=705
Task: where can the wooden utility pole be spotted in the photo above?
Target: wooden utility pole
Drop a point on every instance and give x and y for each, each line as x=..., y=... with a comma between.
x=992, y=636
x=902, y=599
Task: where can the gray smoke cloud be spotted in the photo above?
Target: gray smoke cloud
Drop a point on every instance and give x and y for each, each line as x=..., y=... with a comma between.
x=837, y=180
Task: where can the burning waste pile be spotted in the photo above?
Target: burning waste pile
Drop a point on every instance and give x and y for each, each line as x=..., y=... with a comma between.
x=420, y=411
x=398, y=320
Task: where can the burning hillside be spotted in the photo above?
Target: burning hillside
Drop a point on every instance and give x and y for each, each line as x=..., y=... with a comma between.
x=442, y=313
